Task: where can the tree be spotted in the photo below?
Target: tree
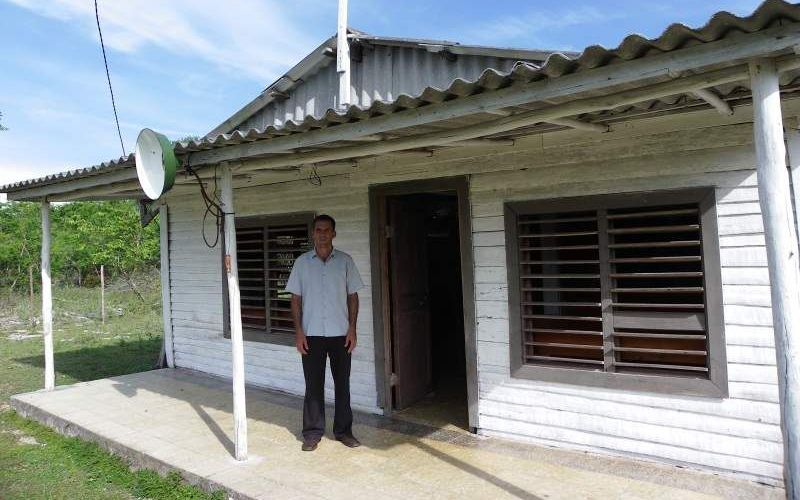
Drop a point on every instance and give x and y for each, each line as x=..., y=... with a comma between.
x=88, y=234
x=186, y=139
x=1, y=125
x=20, y=241
x=84, y=236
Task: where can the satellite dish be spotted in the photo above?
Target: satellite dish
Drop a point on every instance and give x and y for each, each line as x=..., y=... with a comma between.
x=155, y=163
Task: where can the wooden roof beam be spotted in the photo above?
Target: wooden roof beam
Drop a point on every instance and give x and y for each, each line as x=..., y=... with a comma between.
x=483, y=142
x=714, y=100
x=580, y=125
x=521, y=120
x=695, y=58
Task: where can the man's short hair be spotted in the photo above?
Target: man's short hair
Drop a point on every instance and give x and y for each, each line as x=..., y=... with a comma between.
x=324, y=217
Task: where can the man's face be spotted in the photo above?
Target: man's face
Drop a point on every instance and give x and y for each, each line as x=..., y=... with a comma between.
x=323, y=234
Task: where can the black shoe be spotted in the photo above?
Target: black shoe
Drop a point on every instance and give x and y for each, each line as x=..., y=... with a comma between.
x=310, y=444
x=349, y=441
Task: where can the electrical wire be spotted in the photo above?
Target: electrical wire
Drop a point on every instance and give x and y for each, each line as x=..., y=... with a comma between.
x=108, y=77
x=213, y=207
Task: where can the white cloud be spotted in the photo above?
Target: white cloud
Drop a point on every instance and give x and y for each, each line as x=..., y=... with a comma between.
x=257, y=38
x=527, y=27
x=16, y=172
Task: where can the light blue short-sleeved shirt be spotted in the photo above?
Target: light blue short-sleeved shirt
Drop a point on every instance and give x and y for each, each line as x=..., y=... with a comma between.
x=324, y=286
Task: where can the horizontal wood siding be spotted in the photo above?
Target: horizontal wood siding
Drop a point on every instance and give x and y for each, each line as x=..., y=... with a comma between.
x=196, y=278
x=738, y=434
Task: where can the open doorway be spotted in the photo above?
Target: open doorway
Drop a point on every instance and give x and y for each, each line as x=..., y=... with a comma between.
x=424, y=326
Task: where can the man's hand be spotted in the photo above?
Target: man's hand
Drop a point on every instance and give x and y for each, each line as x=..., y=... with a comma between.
x=350, y=339
x=301, y=342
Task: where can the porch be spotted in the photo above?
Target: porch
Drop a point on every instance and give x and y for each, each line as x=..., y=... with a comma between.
x=176, y=419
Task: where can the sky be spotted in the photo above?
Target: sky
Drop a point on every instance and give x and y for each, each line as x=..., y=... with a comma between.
x=182, y=67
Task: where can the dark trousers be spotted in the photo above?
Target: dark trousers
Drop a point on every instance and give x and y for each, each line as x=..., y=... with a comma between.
x=320, y=348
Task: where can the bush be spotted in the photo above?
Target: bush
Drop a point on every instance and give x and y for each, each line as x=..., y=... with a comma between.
x=84, y=236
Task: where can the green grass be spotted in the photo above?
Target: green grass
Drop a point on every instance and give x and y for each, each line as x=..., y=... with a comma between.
x=36, y=462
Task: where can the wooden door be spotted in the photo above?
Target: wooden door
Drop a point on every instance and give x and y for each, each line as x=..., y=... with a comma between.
x=408, y=264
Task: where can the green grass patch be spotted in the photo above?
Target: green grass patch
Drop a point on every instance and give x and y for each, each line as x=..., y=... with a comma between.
x=36, y=462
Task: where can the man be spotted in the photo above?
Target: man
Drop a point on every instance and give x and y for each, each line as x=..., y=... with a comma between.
x=324, y=284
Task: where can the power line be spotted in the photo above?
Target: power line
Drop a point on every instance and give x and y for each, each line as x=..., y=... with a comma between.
x=108, y=77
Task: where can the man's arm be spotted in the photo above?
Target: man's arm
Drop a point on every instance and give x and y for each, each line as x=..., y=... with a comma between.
x=352, y=318
x=300, y=341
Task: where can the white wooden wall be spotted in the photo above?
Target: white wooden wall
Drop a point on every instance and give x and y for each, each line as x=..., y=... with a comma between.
x=738, y=434
x=197, y=288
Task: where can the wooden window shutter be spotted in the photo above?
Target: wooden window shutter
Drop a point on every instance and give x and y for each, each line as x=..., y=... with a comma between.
x=250, y=256
x=656, y=271
x=560, y=288
x=613, y=287
x=266, y=250
x=285, y=242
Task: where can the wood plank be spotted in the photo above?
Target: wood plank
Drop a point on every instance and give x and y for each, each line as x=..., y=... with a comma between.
x=606, y=429
x=657, y=244
x=658, y=275
x=565, y=360
x=634, y=305
x=647, y=320
x=648, y=350
x=558, y=235
x=560, y=276
x=670, y=336
x=662, y=367
x=561, y=331
x=652, y=213
x=656, y=260
x=656, y=229
x=566, y=346
x=527, y=221
x=562, y=318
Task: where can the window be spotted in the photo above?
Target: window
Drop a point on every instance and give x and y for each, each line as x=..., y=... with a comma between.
x=266, y=249
x=620, y=291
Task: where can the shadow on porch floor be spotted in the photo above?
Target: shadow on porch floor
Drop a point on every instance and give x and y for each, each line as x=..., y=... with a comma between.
x=180, y=419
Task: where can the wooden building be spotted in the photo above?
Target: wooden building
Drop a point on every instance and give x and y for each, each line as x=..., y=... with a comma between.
x=596, y=251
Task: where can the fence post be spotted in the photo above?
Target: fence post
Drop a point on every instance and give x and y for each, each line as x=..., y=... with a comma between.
x=31, y=315
x=103, y=293
x=47, y=300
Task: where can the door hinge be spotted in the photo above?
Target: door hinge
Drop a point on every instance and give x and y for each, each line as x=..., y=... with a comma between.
x=393, y=379
x=388, y=231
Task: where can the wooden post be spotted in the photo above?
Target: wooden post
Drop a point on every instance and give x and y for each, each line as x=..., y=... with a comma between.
x=782, y=258
x=343, y=56
x=30, y=289
x=166, y=301
x=793, y=146
x=47, y=301
x=237, y=345
x=103, y=293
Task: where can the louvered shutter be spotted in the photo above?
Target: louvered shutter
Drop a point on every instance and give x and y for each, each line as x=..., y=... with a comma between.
x=284, y=244
x=266, y=250
x=613, y=288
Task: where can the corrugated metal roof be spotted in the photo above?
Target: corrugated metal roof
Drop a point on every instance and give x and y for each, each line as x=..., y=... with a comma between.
x=395, y=65
x=677, y=36
x=383, y=73
x=105, y=167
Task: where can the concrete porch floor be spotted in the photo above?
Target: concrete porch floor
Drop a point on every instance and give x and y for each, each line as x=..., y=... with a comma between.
x=182, y=420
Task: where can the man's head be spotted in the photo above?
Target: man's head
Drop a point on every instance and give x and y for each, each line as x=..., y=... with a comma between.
x=324, y=231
